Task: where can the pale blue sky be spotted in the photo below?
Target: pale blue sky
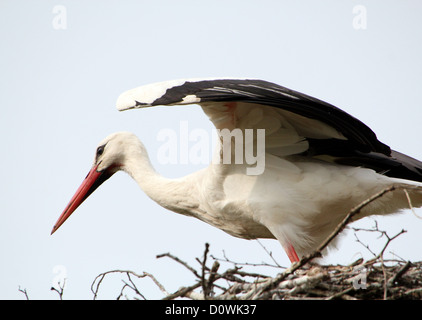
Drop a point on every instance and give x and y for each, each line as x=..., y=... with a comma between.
x=58, y=93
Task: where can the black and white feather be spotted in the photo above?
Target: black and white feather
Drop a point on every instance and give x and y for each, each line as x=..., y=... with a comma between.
x=298, y=124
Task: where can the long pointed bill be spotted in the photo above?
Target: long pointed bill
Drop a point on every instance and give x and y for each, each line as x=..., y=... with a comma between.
x=92, y=181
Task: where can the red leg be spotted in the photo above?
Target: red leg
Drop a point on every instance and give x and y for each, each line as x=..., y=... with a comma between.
x=291, y=253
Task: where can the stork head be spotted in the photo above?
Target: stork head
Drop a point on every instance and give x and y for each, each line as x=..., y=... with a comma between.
x=110, y=157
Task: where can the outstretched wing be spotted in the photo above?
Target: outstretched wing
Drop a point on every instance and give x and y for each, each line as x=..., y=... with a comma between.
x=295, y=124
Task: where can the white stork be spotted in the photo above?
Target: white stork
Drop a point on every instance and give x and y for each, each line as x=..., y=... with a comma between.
x=319, y=163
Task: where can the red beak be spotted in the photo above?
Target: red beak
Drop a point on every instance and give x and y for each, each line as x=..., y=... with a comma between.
x=92, y=181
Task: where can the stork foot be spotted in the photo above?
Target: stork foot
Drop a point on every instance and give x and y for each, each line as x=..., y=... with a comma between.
x=291, y=253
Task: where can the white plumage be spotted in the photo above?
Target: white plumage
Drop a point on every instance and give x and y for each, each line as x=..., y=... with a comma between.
x=319, y=162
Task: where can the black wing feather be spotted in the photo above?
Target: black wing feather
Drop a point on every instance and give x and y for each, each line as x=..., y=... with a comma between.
x=270, y=94
x=362, y=148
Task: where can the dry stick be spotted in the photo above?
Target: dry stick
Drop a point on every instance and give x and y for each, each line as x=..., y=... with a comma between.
x=410, y=204
x=24, y=292
x=133, y=287
x=184, y=290
x=399, y=273
x=317, y=253
x=212, y=276
x=365, y=245
x=226, y=259
x=121, y=290
x=269, y=253
x=385, y=246
x=128, y=273
x=205, y=287
x=183, y=263
x=158, y=284
x=101, y=276
x=374, y=229
x=381, y=257
x=383, y=233
x=340, y=294
x=412, y=291
x=61, y=287
x=384, y=273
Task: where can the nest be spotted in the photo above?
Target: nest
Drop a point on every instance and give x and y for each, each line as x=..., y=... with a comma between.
x=375, y=279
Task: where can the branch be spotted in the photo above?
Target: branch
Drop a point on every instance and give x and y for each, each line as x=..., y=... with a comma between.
x=410, y=204
x=60, y=290
x=183, y=263
x=24, y=292
x=226, y=259
x=399, y=273
x=96, y=285
x=269, y=253
x=205, y=286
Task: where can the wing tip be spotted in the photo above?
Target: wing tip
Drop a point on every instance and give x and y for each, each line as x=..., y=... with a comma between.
x=125, y=102
x=145, y=95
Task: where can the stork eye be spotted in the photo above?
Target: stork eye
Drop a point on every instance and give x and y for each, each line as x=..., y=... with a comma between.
x=100, y=151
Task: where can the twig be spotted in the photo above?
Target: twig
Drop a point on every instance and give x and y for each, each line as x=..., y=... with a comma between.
x=158, y=284
x=382, y=233
x=251, y=274
x=413, y=291
x=245, y=263
x=24, y=292
x=212, y=276
x=410, y=204
x=133, y=286
x=384, y=277
x=182, y=291
x=340, y=294
x=360, y=242
x=386, y=244
x=183, y=263
x=101, y=276
x=399, y=273
x=205, y=287
x=269, y=253
x=60, y=291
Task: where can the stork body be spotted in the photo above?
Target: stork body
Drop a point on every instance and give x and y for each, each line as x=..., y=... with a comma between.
x=319, y=163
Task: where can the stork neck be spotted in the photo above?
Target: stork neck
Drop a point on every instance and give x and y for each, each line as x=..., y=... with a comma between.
x=173, y=194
